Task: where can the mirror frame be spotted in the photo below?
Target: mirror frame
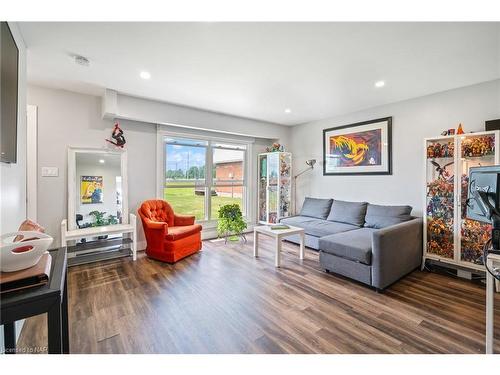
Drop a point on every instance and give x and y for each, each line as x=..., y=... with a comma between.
x=72, y=183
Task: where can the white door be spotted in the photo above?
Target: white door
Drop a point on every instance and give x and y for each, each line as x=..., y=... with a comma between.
x=32, y=161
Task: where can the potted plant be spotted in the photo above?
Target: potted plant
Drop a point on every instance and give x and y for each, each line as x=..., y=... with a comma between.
x=231, y=223
x=112, y=219
x=99, y=220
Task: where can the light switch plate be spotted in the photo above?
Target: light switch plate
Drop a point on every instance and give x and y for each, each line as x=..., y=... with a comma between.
x=50, y=172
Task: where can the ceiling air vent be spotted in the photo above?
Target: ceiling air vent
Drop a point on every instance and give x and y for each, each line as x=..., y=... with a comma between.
x=80, y=60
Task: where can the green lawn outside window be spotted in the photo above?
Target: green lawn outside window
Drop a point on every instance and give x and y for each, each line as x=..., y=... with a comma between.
x=185, y=201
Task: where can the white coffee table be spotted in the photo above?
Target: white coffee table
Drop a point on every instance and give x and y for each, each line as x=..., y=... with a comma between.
x=278, y=235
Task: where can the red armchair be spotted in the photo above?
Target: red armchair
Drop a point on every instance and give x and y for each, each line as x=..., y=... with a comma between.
x=170, y=237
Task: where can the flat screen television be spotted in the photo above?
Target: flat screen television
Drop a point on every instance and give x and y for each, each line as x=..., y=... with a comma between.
x=9, y=70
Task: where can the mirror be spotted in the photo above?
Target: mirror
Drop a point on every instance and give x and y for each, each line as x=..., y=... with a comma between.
x=97, y=188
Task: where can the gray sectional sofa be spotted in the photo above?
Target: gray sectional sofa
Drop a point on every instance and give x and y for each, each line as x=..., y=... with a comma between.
x=373, y=244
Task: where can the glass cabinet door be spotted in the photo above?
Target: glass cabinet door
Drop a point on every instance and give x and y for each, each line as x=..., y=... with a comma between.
x=272, y=175
x=440, y=197
x=475, y=151
x=285, y=185
x=262, y=187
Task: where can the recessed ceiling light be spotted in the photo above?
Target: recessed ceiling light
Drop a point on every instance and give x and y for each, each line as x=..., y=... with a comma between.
x=288, y=110
x=145, y=75
x=379, y=84
x=101, y=161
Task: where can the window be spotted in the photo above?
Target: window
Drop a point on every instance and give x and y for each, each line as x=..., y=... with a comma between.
x=190, y=189
x=228, y=176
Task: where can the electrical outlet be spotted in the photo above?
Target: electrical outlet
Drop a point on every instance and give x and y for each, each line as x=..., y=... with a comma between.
x=50, y=172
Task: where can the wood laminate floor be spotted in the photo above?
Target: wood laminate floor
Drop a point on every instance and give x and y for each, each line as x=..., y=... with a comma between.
x=223, y=300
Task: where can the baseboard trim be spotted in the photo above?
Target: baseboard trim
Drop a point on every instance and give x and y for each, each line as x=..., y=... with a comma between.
x=206, y=234
x=211, y=233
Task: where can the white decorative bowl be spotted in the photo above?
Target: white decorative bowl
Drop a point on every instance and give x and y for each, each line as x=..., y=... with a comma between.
x=15, y=256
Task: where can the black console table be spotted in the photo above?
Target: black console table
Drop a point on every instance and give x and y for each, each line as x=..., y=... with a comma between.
x=51, y=299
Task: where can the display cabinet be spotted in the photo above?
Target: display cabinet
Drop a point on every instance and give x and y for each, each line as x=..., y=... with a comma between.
x=274, y=186
x=448, y=235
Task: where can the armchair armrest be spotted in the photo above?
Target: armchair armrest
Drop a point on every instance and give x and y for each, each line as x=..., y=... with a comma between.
x=155, y=225
x=155, y=232
x=183, y=220
x=396, y=251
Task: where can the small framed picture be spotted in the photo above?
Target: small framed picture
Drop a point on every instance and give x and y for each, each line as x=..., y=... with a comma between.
x=360, y=148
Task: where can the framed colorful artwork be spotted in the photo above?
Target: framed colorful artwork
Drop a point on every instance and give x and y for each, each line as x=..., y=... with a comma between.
x=91, y=189
x=360, y=148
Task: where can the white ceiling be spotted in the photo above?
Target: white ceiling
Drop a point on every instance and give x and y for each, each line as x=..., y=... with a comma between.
x=256, y=70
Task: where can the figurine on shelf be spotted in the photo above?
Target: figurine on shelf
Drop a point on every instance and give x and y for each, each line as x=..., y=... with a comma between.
x=284, y=168
x=430, y=152
x=448, y=132
x=440, y=208
x=460, y=130
x=438, y=150
x=440, y=188
x=445, y=150
x=474, y=236
x=440, y=237
x=441, y=170
x=464, y=190
x=451, y=149
x=276, y=147
x=478, y=146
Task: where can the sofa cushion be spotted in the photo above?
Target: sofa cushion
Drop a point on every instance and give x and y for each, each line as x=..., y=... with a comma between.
x=348, y=212
x=385, y=216
x=355, y=245
x=317, y=227
x=314, y=207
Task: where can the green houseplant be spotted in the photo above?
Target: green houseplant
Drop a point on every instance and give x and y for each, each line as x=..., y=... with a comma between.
x=99, y=219
x=112, y=219
x=231, y=222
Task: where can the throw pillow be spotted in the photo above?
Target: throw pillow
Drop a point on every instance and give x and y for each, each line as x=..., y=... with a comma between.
x=314, y=207
x=348, y=212
x=384, y=216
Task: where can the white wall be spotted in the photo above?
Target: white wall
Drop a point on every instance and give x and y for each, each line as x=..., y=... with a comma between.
x=70, y=119
x=13, y=176
x=413, y=120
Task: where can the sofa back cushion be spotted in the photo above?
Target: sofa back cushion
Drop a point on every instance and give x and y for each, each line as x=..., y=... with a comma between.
x=348, y=212
x=384, y=216
x=314, y=207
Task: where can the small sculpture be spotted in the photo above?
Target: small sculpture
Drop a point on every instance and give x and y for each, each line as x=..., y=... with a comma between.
x=276, y=147
x=441, y=170
x=117, y=135
x=460, y=130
